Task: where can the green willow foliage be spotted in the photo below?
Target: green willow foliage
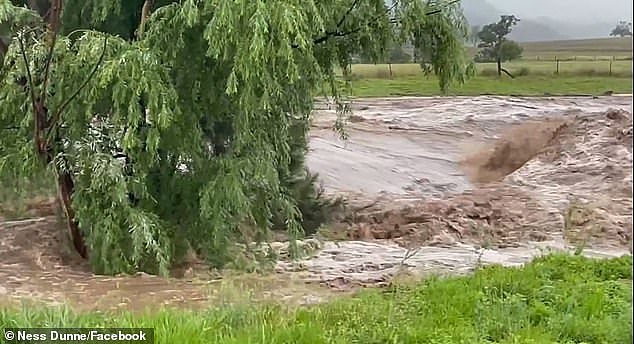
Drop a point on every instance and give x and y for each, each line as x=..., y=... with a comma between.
x=191, y=132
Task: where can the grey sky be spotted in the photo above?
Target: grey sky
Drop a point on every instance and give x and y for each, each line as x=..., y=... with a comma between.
x=567, y=10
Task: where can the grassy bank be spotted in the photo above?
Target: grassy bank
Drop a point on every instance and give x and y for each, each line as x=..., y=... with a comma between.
x=556, y=299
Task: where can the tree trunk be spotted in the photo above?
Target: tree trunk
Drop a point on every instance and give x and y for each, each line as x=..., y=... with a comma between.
x=44, y=126
x=66, y=188
x=508, y=73
x=499, y=61
x=145, y=13
x=3, y=48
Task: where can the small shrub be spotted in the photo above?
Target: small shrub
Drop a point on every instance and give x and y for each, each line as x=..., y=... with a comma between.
x=383, y=73
x=524, y=71
x=488, y=72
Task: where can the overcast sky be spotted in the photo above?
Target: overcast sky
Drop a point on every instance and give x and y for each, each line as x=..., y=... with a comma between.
x=568, y=10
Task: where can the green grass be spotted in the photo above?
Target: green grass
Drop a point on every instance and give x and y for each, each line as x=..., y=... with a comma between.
x=533, y=78
x=481, y=85
x=555, y=299
x=566, y=68
x=533, y=68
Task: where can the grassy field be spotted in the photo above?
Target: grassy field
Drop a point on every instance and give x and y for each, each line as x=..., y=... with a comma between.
x=586, y=67
x=481, y=85
x=588, y=49
x=619, y=69
x=533, y=78
x=555, y=299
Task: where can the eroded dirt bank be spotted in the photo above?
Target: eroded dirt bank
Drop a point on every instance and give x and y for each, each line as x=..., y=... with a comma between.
x=432, y=184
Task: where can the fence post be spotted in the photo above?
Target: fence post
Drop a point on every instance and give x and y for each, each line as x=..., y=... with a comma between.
x=610, y=73
x=557, y=71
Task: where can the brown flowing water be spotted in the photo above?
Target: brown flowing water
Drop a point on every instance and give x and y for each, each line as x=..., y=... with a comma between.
x=431, y=185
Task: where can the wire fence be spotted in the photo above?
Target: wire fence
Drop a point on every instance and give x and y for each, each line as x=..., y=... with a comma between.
x=576, y=58
x=567, y=66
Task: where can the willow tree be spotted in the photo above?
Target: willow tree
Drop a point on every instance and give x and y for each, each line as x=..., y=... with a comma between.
x=170, y=124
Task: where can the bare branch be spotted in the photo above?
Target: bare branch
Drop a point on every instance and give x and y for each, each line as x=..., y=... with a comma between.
x=53, y=27
x=343, y=18
x=438, y=10
x=29, y=76
x=67, y=102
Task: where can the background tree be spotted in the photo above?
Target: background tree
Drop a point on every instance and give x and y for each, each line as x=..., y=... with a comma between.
x=509, y=50
x=622, y=29
x=495, y=46
x=175, y=124
x=474, y=35
x=398, y=55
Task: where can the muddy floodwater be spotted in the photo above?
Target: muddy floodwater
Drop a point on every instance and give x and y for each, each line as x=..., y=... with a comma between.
x=436, y=185
x=412, y=146
x=455, y=182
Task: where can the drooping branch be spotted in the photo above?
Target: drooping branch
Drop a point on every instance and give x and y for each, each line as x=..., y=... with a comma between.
x=29, y=76
x=343, y=18
x=438, y=10
x=338, y=33
x=74, y=95
x=34, y=103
